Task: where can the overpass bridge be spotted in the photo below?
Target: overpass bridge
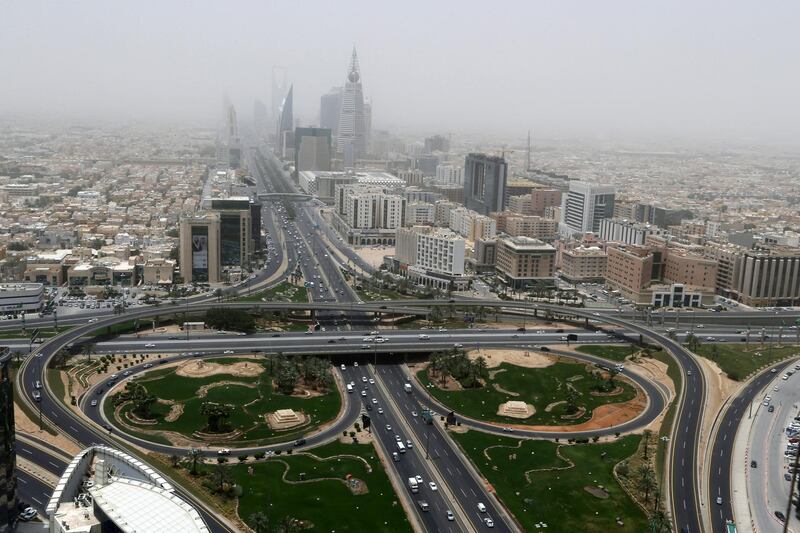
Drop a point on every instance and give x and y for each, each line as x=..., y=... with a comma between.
x=290, y=196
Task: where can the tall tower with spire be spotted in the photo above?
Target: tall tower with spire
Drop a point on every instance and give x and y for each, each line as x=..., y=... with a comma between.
x=351, y=133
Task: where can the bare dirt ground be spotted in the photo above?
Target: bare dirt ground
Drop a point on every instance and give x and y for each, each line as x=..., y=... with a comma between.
x=719, y=387
x=23, y=424
x=372, y=256
x=524, y=358
x=201, y=369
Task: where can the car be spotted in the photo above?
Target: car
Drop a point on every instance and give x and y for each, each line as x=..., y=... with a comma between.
x=433, y=486
x=363, y=379
x=27, y=514
x=355, y=364
x=228, y=351
x=771, y=408
x=374, y=400
x=388, y=428
x=688, y=372
x=99, y=391
x=299, y=442
x=458, y=345
x=223, y=451
x=371, y=381
x=765, y=403
x=423, y=505
x=413, y=413
x=774, y=389
x=409, y=444
x=481, y=507
x=380, y=410
x=398, y=438
x=87, y=484
x=767, y=398
x=774, y=371
x=753, y=464
x=450, y=515
x=150, y=345
x=719, y=500
x=94, y=403
x=489, y=522
x=419, y=479
x=364, y=393
x=37, y=384
x=787, y=476
x=780, y=516
x=147, y=365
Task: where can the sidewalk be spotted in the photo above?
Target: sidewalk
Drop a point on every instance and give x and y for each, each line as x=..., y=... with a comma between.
x=740, y=473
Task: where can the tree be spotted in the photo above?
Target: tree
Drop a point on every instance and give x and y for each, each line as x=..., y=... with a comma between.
x=660, y=522
x=286, y=379
x=572, y=398
x=646, y=481
x=88, y=350
x=221, y=476
x=482, y=367
x=230, y=319
x=174, y=459
x=259, y=522
x=646, y=435
x=287, y=524
x=217, y=415
x=193, y=455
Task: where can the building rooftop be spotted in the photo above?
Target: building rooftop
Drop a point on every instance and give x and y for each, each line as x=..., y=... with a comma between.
x=524, y=244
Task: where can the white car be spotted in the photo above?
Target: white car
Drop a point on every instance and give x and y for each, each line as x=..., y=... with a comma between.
x=363, y=379
x=380, y=410
x=433, y=486
x=374, y=400
x=371, y=381
x=94, y=403
x=363, y=393
x=489, y=522
x=343, y=367
x=388, y=427
x=419, y=479
x=150, y=345
x=228, y=351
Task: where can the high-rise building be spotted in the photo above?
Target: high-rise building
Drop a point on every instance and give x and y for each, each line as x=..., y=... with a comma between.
x=330, y=105
x=585, y=206
x=199, y=248
x=437, y=143
x=284, y=134
x=450, y=174
x=279, y=85
x=261, y=120
x=351, y=131
x=8, y=454
x=420, y=213
x=235, y=231
x=434, y=257
x=312, y=149
x=485, y=183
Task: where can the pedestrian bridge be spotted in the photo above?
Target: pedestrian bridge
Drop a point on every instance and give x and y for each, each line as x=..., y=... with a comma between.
x=293, y=196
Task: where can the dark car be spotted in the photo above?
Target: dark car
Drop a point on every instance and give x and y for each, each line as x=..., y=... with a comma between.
x=331, y=341
x=544, y=349
x=771, y=408
x=522, y=330
x=779, y=515
x=299, y=442
x=99, y=392
x=753, y=464
x=276, y=334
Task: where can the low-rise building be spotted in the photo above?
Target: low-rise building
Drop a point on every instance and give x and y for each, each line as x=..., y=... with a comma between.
x=420, y=213
x=21, y=297
x=583, y=264
x=626, y=231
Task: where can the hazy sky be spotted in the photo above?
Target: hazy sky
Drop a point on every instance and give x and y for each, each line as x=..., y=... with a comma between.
x=726, y=69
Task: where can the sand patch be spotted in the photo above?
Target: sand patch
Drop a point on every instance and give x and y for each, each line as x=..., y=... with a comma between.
x=551, y=406
x=523, y=358
x=201, y=369
x=501, y=390
x=175, y=412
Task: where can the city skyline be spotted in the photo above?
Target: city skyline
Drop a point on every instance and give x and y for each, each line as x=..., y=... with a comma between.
x=607, y=71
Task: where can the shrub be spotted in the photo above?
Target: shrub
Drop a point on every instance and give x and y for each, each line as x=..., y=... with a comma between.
x=243, y=457
x=259, y=455
x=222, y=459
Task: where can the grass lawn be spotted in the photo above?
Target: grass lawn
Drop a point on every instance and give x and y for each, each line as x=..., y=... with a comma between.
x=739, y=360
x=537, y=386
x=44, y=333
x=283, y=292
x=369, y=295
x=613, y=353
x=253, y=397
x=557, y=497
x=328, y=504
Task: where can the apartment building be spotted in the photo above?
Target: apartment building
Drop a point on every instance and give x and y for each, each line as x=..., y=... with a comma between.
x=532, y=226
x=420, y=213
x=627, y=231
x=523, y=261
x=472, y=225
x=368, y=214
x=535, y=202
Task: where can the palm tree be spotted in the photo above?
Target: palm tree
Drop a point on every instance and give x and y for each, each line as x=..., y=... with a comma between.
x=646, y=435
x=258, y=521
x=646, y=481
x=193, y=455
x=88, y=350
x=482, y=366
x=660, y=522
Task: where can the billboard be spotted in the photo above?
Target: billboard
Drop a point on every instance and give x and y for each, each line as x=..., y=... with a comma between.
x=200, y=252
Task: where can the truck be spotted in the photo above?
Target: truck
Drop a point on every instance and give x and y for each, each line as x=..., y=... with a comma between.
x=401, y=447
x=427, y=416
x=407, y=387
x=349, y=388
x=413, y=485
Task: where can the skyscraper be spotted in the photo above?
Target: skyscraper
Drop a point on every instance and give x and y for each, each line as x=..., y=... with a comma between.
x=312, y=149
x=279, y=84
x=329, y=107
x=8, y=455
x=260, y=119
x=485, y=183
x=284, y=142
x=584, y=206
x=351, y=132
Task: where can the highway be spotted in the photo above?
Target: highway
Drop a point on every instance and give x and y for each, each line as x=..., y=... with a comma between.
x=719, y=471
